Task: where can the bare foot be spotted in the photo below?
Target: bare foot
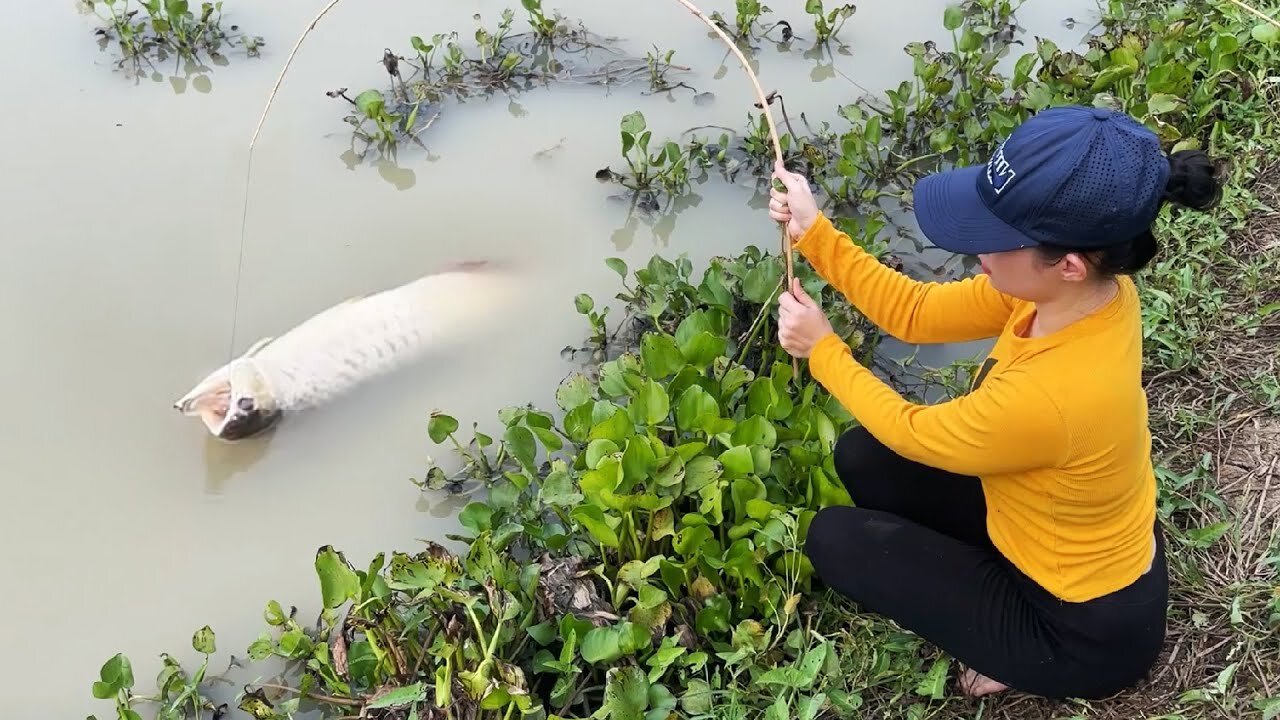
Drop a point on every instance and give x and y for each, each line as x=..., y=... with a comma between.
x=975, y=684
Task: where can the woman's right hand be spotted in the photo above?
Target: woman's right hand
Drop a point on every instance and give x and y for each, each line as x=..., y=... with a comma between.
x=796, y=207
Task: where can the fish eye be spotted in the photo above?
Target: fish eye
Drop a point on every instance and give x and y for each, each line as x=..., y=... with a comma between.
x=245, y=404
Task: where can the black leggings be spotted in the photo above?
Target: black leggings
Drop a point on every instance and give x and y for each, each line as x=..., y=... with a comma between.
x=915, y=549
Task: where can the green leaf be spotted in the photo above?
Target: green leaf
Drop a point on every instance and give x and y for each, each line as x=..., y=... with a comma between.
x=651, y=405
x=593, y=519
x=761, y=280
x=574, y=391
x=476, y=517
x=523, y=446
x=371, y=103
x=543, y=633
x=598, y=450
x=261, y=648
x=638, y=462
x=692, y=325
x=117, y=673
x=633, y=123
x=697, y=698
x=737, y=461
x=204, y=641
x=583, y=303
x=714, y=616
x=618, y=266
x=651, y=597
x=626, y=694
x=1206, y=536
x=702, y=348
x=400, y=696
x=778, y=710
x=257, y=706
x=697, y=410
x=1172, y=78
x=734, y=378
x=934, y=683
x=713, y=290
x=755, y=430
x=662, y=703
x=701, y=471
x=662, y=525
x=744, y=490
x=670, y=471
x=615, y=378
x=602, y=645
x=1162, y=103
x=440, y=427
x=663, y=657
x=810, y=707
x=660, y=355
x=558, y=489
x=953, y=17
x=635, y=572
x=616, y=427
x=273, y=614
x=1109, y=77
x=692, y=539
x=1265, y=32
x=338, y=581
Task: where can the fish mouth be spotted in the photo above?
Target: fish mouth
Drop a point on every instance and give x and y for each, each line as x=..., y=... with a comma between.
x=214, y=412
x=241, y=426
x=211, y=407
x=212, y=401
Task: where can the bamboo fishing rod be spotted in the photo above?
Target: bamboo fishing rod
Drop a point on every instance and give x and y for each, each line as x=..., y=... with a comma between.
x=773, y=137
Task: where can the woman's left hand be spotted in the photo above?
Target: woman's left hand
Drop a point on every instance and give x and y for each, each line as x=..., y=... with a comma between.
x=801, y=323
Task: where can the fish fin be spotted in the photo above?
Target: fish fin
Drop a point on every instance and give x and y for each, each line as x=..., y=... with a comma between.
x=257, y=346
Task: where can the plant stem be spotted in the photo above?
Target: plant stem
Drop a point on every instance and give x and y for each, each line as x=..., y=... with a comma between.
x=479, y=629
x=756, y=325
x=346, y=702
x=1257, y=12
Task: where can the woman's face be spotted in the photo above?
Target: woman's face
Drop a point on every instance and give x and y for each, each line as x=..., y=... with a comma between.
x=1024, y=274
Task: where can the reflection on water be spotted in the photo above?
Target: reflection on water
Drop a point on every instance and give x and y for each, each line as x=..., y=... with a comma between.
x=226, y=460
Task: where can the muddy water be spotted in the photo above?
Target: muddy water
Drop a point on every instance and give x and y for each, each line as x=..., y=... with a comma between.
x=124, y=528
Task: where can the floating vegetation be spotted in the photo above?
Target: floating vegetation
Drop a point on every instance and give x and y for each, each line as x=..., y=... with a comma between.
x=154, y=30
x=957, y=105
x=178, y=695
x=749, y=14
x=500, y=61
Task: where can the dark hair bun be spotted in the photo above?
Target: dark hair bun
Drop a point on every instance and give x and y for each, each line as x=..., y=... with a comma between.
x=1193, y=180
x=1127, y=258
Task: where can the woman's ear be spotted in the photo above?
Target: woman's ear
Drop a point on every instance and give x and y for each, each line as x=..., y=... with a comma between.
x=1073, y=268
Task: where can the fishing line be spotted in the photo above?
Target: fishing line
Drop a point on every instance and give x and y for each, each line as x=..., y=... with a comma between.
x=244, y=214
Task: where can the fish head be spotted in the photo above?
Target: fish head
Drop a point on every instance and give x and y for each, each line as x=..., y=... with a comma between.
x=234, y=402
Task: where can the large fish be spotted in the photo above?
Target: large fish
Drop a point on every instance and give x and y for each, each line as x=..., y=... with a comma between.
x=345, y=345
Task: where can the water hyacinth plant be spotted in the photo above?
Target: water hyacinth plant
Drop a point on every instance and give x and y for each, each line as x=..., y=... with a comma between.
x=157, y=29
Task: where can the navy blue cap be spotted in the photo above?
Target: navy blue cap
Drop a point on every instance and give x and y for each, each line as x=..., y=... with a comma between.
x=1072, y=176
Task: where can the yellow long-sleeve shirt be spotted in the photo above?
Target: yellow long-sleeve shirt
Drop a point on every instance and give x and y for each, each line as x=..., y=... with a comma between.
x=1055, y=427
